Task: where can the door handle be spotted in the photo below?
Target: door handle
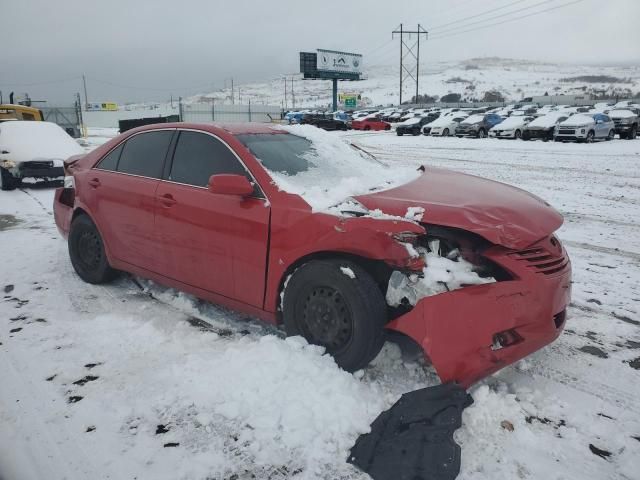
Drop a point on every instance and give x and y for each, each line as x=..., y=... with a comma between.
x=94, y=182
x=167, y=200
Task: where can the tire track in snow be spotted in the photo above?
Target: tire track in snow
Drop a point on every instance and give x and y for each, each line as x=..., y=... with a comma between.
x=616, y=252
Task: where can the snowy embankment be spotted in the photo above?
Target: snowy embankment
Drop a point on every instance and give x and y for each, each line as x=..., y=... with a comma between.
x=133, y=380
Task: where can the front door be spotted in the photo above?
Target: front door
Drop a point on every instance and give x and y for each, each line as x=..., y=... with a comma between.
x=210, y=241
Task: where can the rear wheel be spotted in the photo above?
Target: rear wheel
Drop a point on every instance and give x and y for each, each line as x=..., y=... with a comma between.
x=343, y=312
x=398, y=133
x=7, y=181
x=632, y=134
x=367, y=127
x=86, y=250
x=611, y=135
x=481, y=133
x=387, y=127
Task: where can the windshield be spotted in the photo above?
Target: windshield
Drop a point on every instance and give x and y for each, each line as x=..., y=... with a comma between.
x=321, y=168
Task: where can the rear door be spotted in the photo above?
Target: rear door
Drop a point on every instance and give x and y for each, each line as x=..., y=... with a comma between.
x=121, y=194
x=210, y=241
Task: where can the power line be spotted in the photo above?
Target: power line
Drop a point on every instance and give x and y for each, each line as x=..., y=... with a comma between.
x=475, y=16
x=496, y=16
x=146, y=88
x=47, y=82
x=438, y=37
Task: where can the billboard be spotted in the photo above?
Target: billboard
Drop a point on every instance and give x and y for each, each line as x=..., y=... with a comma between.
x=333, y=61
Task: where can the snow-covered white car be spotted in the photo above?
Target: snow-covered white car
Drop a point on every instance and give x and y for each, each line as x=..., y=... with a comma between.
x=543, y=127
x=446, y=126
x=510, y=127
x=583, y=127
x=33, y=150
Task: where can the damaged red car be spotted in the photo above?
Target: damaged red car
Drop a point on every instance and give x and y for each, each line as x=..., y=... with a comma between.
x=278, y=223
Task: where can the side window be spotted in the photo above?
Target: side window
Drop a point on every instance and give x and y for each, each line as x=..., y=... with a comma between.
x=198, y=156
x=144, y=154
x=110, y=160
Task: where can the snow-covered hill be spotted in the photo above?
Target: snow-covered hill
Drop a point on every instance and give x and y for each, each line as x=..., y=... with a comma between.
x=514, y=79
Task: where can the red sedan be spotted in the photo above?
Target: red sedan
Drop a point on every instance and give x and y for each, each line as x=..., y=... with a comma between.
x=191, y=206
x=370, y=123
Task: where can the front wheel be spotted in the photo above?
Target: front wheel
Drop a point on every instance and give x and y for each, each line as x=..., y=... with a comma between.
x=481, y=133
x=590, y=137
x=611, y=135
x=445, y=132
x=632, y=134
x=87, y=253
x=336, y=304
x=398, y=133
x=518, y=134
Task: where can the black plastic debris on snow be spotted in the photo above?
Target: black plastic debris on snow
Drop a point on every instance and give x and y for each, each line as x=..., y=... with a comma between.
x=599, y=452
x=414, y=438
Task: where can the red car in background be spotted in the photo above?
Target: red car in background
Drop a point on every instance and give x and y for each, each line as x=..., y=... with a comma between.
x=191, y=206
x=369, y=123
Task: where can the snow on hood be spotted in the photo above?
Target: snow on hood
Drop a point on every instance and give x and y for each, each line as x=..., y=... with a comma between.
x=500, y=213
x=621, y=114
x=473, y=119
x=337, y=171
x=579, y=119
x=442, y=121
x=36, y=141
x=511, y=122
x=547, y=120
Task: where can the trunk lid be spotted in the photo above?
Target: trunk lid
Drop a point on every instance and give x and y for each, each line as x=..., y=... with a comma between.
x=500, y=213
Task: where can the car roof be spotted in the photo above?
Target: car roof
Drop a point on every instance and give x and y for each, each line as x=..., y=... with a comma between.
x=232, y=128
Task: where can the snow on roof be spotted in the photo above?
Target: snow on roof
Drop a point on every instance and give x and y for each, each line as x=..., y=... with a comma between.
x=547, y=120
x=473, y=119
x=620, y=113
x=579, y=119
x=411, y=121
x=37, y=140
x=337, y=171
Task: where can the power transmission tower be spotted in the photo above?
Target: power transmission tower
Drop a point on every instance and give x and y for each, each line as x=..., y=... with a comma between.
x=406, y=50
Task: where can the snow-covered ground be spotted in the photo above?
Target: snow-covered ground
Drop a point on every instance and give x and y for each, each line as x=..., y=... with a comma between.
x=131, y=380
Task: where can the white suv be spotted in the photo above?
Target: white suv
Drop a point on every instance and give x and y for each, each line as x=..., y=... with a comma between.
x=585, y=127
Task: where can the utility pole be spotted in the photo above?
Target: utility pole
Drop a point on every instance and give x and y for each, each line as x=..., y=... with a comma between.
x=86, y=98
x=285, y=92
x=414, y=51
x=233, y=100
x=293, y=95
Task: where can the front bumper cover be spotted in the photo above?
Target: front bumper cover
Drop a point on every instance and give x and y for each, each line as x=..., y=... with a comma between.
x=457, y=329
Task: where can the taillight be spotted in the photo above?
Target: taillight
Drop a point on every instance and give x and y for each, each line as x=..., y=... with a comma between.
x=69, y=182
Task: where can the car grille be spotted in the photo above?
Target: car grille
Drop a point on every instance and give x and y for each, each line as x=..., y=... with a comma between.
x=34, y=164
x=564, y=131
x=547, y=258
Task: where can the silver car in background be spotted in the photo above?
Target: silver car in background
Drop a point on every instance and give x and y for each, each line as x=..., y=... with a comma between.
x=585, y=127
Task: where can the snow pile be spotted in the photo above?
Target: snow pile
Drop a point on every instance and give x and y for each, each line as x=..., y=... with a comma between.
x=414, y=213
x=337, y=171
x=441, y=274
x=28, y=141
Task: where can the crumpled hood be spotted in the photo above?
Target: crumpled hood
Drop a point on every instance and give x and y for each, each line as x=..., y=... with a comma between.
x=500, y=213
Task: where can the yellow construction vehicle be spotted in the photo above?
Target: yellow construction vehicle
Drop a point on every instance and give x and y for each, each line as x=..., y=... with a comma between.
x=19, y=112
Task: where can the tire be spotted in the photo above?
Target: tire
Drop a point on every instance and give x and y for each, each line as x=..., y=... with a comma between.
x=590, y=136
x=445, y=132
x=526, y=136
x=611, y=135
x=399, y=133
x=8, y=181
x=632, y=134
x=86, y=250
x=556, y=139
x=328, y=308
x=367, y=127
x=517, y=135
x=387, y=128
x=481, y=133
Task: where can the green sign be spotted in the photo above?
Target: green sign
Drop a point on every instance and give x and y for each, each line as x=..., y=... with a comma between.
x=350, y=102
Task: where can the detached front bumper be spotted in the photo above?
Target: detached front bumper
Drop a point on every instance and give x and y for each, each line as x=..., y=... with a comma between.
x=458, y=330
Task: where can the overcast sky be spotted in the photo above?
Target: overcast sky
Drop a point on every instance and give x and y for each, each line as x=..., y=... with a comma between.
x=148, y=49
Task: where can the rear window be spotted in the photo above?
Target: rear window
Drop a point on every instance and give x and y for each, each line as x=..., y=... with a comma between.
x=110, y=160
x=144, y=154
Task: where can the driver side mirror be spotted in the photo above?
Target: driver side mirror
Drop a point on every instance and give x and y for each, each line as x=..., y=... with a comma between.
x=230, y=184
